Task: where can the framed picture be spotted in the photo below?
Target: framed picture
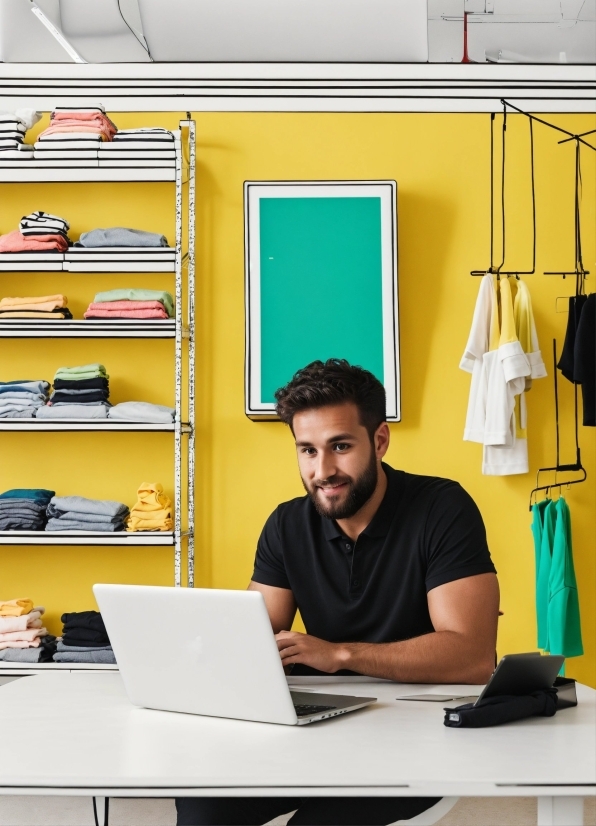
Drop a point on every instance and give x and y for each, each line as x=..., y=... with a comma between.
x=321, y=282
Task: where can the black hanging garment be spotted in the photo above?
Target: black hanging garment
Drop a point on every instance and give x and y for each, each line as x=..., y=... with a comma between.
x=567, y=361
x=584, y=371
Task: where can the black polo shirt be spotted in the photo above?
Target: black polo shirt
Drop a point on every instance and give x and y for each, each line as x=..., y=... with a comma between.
x=426, y=532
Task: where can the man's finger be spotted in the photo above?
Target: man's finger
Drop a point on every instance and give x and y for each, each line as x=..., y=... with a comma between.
x=291, y=651
x=285, y=642
x=287, y=635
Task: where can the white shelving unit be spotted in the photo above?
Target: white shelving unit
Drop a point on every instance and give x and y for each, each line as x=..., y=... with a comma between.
x=179, y=169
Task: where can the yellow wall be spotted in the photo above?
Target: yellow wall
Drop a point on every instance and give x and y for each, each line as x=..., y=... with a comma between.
x=244, y=468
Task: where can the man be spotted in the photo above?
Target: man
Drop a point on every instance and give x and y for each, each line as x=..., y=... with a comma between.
x=391, y=573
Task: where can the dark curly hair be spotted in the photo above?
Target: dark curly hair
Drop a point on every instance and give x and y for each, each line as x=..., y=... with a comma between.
x=333, y=382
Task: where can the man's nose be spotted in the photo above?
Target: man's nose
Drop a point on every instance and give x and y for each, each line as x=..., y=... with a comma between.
x=325, y=465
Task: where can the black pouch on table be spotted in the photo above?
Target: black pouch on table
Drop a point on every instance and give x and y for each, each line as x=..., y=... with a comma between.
x=494, y=711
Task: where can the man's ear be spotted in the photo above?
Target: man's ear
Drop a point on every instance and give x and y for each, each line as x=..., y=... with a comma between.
x=381, y=440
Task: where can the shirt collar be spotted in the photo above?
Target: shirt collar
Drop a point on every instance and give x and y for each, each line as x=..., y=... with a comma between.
x=381, y=521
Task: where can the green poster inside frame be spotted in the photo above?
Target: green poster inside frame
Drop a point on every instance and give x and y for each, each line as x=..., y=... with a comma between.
x=321, y=282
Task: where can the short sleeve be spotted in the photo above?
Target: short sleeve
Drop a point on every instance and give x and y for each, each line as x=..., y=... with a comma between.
x=455, y=538
x=269, y=560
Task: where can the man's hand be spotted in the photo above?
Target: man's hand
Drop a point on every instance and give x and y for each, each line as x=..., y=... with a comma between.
x=302, y=648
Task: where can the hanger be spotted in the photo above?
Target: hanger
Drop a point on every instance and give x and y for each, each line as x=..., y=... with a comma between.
x=498, y=271
x=559, y=468
x=580, y=271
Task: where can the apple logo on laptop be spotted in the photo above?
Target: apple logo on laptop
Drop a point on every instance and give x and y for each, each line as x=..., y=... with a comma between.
x=195, y=646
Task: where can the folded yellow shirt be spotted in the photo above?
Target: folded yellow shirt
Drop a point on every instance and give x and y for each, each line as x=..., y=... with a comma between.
x=30, y=313
x=151, y=497
x=35, y=302
x=16, y=607
x=137, y=523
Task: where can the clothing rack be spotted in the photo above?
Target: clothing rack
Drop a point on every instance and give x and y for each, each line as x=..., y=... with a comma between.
x=558, y=467
x=580, y=272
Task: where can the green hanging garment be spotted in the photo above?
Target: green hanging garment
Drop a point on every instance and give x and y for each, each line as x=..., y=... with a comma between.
x=543, y=529
x=564, y=627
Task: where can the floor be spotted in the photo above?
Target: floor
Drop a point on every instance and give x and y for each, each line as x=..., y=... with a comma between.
x=77, y=811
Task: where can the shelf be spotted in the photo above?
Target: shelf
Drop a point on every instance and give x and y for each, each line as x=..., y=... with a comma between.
x=86, y=538
x=118, y=266
x=92, y=260
x=69, y=425
x=29, y=172
x=8, y=669
x=44, y=264
x=100, y=328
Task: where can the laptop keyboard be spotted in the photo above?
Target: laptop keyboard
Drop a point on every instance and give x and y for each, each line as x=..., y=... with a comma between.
x=304, y=710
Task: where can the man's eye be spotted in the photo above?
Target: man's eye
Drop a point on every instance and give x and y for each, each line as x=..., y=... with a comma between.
x=341, y=446
x=310, y=451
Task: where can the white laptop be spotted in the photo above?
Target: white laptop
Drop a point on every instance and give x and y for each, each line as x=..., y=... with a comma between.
x=206, y=651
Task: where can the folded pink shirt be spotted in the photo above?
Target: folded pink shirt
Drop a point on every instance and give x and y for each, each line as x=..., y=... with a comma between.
x=20, y=644
x=17, y=242
x=31, y=620
x=126, y=305
x=126, y=309
x=27, y=635
x=92, y=122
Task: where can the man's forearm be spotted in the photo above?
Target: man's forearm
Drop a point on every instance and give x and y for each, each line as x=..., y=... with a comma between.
x=440, y=657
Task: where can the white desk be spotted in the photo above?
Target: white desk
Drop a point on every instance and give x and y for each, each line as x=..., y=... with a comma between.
x=76, y=734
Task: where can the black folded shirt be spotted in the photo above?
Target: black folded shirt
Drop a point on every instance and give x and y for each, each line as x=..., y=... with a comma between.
x=83, y=397
x=84, y=619
x=82, y=384
x=494, y=711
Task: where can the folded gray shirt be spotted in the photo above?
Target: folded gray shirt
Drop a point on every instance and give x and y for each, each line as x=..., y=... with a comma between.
x=100, y=655
x=72, y=411
x=72, y=648
x=92, y=518
x=79, y=504
x=142, y=412
x=121, y=237
x=21, y=655
x=66, y=525
x=36, y=386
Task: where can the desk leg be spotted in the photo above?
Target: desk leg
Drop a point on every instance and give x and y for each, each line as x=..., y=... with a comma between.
x=560, y=811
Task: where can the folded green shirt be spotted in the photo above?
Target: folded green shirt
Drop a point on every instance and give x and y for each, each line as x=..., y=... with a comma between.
x=138, y=295
x=85, y=371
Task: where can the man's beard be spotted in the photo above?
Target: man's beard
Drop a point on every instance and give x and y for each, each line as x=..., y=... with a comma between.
x=359, y=492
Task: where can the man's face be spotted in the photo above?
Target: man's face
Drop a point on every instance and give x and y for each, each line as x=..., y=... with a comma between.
x=337, y=461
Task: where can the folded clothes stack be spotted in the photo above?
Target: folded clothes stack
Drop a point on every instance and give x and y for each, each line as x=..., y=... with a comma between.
x=146, y=134
x=23, y=639
x=38, y=232
x=152, y=511
x=42, y=307
x=84, y=640
x=59, y=146
x=24, y=509
x=13, y=127
x=68, y=121
x=76, y=513
x=41, y=224
x=142, y=412
x=22, y=399
x=131, y=304
x=79, y=393
x=121, y=237
x=15, y=241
